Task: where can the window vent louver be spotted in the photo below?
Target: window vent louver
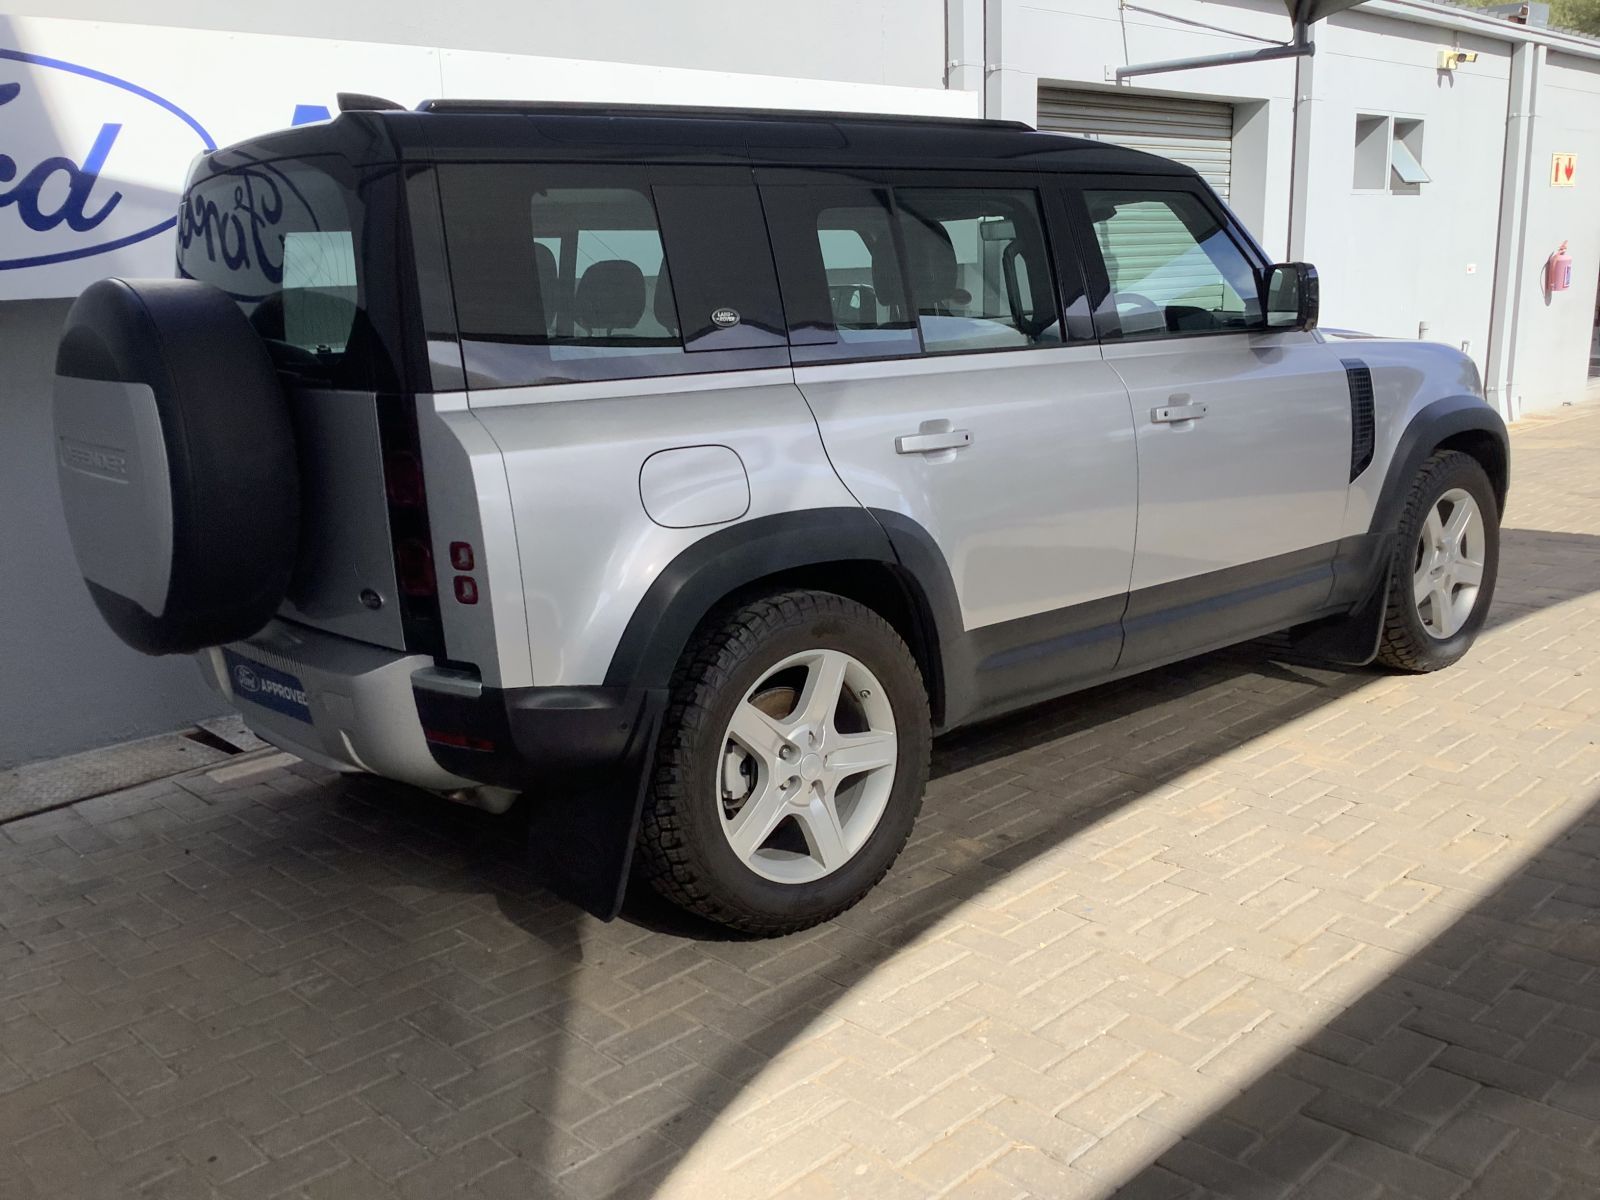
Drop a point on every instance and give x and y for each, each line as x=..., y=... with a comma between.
x=1363, y=427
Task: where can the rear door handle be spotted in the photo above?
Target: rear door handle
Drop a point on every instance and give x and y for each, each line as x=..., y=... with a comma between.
x=927, y=443
x=1178, y=412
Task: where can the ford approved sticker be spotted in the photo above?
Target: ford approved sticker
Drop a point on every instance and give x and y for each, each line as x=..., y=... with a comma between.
x=266, y=686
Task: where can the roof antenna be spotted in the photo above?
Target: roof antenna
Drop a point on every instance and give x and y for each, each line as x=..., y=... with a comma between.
x=361, y=102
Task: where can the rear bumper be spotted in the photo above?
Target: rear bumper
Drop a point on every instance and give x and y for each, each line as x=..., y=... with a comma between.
x=401, y=717
x=528, y=738
x=363, y=715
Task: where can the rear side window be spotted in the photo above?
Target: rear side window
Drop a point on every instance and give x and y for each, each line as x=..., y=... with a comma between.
x=571, y=273
x=979, y=268
x=839, y=263
x=1174, y=268
x=870, y=272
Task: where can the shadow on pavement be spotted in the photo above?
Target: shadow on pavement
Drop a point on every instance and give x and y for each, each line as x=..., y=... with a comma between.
x=1475, y=1064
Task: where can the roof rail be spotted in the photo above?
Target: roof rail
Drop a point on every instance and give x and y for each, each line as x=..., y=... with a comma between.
x=590, y=108
x=361, y=102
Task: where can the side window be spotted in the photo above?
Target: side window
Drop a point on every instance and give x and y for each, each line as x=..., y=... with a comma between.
x=980, y=268
x=573, y=273
x=841, y=273
x=1174, y=269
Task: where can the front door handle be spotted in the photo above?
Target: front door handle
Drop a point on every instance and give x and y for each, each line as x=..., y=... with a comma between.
x=929, y=443
x=1178, y=412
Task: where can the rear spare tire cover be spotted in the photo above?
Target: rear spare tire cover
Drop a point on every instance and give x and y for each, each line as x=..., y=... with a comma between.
x=176, y=460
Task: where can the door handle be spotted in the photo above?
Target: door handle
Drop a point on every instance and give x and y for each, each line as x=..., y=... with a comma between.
x=1178, y=412
x=928, y=443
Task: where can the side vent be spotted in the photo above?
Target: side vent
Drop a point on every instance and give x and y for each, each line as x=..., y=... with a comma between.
x=1363, y=425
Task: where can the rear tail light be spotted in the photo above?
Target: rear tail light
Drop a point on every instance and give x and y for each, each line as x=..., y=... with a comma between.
x=461, y=556
x=466, y=589
x=413, y=563
x=402, y=479
x=410, y=538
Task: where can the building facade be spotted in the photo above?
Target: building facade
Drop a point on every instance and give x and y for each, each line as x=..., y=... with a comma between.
x=1429, y=159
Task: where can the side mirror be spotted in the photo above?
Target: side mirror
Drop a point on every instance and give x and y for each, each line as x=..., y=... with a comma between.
x=1291, y=296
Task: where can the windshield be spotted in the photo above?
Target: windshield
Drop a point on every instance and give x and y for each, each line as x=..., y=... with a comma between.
x=280, y=237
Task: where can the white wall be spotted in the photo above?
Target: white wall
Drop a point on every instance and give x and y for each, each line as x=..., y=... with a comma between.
x=1390, y=261
x=1552, y=354
x=899, y=42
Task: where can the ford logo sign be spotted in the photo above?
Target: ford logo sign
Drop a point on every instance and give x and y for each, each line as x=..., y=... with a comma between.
x=68, y=190
x=245, y=680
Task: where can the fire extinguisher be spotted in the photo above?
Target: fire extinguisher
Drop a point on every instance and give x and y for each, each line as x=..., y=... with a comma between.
x=1558, y=271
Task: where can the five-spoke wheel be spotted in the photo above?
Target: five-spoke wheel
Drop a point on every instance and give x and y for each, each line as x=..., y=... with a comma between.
x=791, y=764
x=1442, y=574
x=808, y=766
x=1449, y=563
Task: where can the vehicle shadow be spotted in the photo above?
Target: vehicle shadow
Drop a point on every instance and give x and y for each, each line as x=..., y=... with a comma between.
x=1001, y=795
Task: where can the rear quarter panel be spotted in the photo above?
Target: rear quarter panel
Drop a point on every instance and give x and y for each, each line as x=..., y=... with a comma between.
x=573, y=457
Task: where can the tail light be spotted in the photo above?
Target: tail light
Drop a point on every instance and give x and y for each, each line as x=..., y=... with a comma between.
x=402, y=479
x=413, y=563
x=406, y=496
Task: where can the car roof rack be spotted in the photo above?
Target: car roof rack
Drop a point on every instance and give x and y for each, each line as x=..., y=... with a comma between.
x=589, y=108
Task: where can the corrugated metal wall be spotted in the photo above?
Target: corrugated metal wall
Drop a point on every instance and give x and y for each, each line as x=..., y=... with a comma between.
x=1198, y=133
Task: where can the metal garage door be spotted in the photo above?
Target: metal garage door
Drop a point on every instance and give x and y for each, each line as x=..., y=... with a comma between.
x=1198, y=133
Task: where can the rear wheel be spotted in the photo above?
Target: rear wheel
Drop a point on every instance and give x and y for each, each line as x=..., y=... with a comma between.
x=791, y=765
x=1445, y=560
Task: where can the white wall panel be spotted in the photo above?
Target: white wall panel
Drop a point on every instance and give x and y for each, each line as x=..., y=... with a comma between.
x=1554, y=330
x=898, y=42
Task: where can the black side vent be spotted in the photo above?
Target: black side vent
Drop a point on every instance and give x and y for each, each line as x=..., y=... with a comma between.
x=1363, y=427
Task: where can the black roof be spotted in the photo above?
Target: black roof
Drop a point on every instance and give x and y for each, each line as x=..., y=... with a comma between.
x=500, y=130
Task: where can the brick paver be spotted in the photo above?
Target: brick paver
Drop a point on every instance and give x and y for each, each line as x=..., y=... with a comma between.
x=1242, y=928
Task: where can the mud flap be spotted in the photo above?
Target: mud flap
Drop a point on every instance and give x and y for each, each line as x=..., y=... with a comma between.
x=582, y=824
x=1350, y=640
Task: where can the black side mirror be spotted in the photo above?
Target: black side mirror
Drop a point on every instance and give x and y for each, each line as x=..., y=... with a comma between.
x=1290, y=296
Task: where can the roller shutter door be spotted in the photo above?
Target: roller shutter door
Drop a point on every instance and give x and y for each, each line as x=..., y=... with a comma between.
x=1197, y=133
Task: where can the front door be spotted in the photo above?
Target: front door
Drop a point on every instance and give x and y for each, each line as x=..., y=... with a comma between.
x=928, y=339
x=1243, y=433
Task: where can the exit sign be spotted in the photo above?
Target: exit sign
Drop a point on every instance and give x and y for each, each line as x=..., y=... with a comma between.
x=1563, y=170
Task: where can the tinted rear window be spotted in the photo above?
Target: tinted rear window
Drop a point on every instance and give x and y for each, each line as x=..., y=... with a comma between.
x=562, y=273
x=284, y=239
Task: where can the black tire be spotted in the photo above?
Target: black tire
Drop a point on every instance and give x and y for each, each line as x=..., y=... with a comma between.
x=215, y=470
x=1406, y=644
x=682, y=849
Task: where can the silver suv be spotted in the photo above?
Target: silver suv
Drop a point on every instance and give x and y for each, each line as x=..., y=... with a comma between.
x=689, y=471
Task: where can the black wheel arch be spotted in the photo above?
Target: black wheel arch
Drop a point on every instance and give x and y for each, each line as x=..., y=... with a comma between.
x=883, y=560
x=1462, y=423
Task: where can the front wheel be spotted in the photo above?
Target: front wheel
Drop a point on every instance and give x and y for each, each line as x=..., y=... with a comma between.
x=1446, y=557
x=791, y=764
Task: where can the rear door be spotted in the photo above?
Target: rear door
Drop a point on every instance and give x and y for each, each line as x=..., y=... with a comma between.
x=926, y=326
x=296, y=243
x=1243, y=434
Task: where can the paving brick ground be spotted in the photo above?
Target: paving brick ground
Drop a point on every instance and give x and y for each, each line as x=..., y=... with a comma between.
x=1240, y=928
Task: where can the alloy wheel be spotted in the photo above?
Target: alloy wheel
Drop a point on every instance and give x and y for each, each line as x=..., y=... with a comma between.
x=1448, y=569
x=808, y=764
